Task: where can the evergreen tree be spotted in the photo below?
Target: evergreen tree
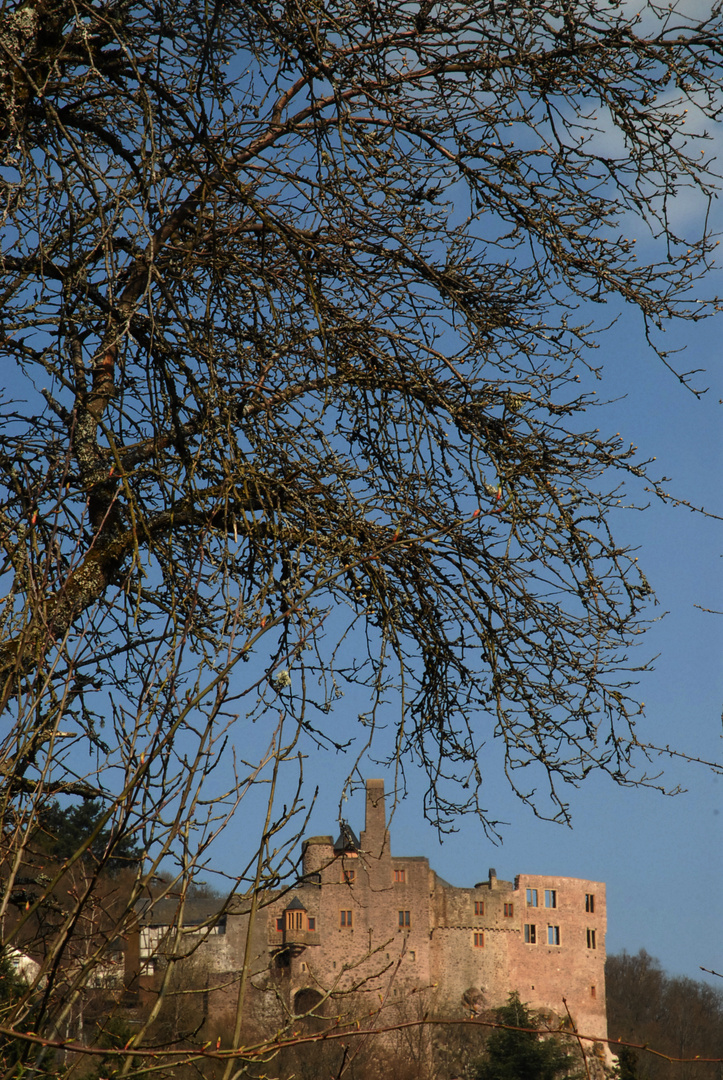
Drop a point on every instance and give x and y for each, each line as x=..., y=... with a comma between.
x=517, y=1052
x=64, y=830
x=627, y=1066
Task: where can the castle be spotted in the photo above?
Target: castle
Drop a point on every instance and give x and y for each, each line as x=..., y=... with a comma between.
x=361, y=916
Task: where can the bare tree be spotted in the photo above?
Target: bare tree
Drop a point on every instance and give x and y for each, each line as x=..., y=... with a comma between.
x=678, y=1017
x=291, y=320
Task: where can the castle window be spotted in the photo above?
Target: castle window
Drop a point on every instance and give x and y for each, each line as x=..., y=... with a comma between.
x=293, y=920
x=509, y=910
x=312, y=922
x=280, y=922
x=400, y=876
x=550, y=897
x=479, y=940
x=590, y=902
x=591, y=939
x=532, y=897
x=348, y=877
x=479, y=907
x=404, y=918
x=412, y=955
x=593, y=991
x=344, y=918
x=553, y=935
x=530, y=933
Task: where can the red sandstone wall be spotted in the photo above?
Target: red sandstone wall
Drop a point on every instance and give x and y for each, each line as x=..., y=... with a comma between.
x=571, y=970
x=374, y=942
x=543, y=973
x=434, y=947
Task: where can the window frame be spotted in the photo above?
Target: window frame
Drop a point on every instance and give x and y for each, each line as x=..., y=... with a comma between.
x=479, y=907
x=405, y=919
x=553, y=935
x=591, y=938
x=509, y=910
x=479, y=939
x=532, y=898
x=530, y=933
x=590, y=903
x=551, y=898
x=346, y=920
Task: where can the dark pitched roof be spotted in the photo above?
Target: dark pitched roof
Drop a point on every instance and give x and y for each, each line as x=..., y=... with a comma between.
x=208, y=910
x=347, y=840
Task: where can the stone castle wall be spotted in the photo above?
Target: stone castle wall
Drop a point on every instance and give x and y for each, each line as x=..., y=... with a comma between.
x=363, y=919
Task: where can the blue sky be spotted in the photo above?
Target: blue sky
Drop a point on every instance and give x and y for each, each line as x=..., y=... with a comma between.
x=660, y=857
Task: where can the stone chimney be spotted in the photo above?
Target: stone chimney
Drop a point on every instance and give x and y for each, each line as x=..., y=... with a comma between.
x=493, y=878
x=375, y=839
